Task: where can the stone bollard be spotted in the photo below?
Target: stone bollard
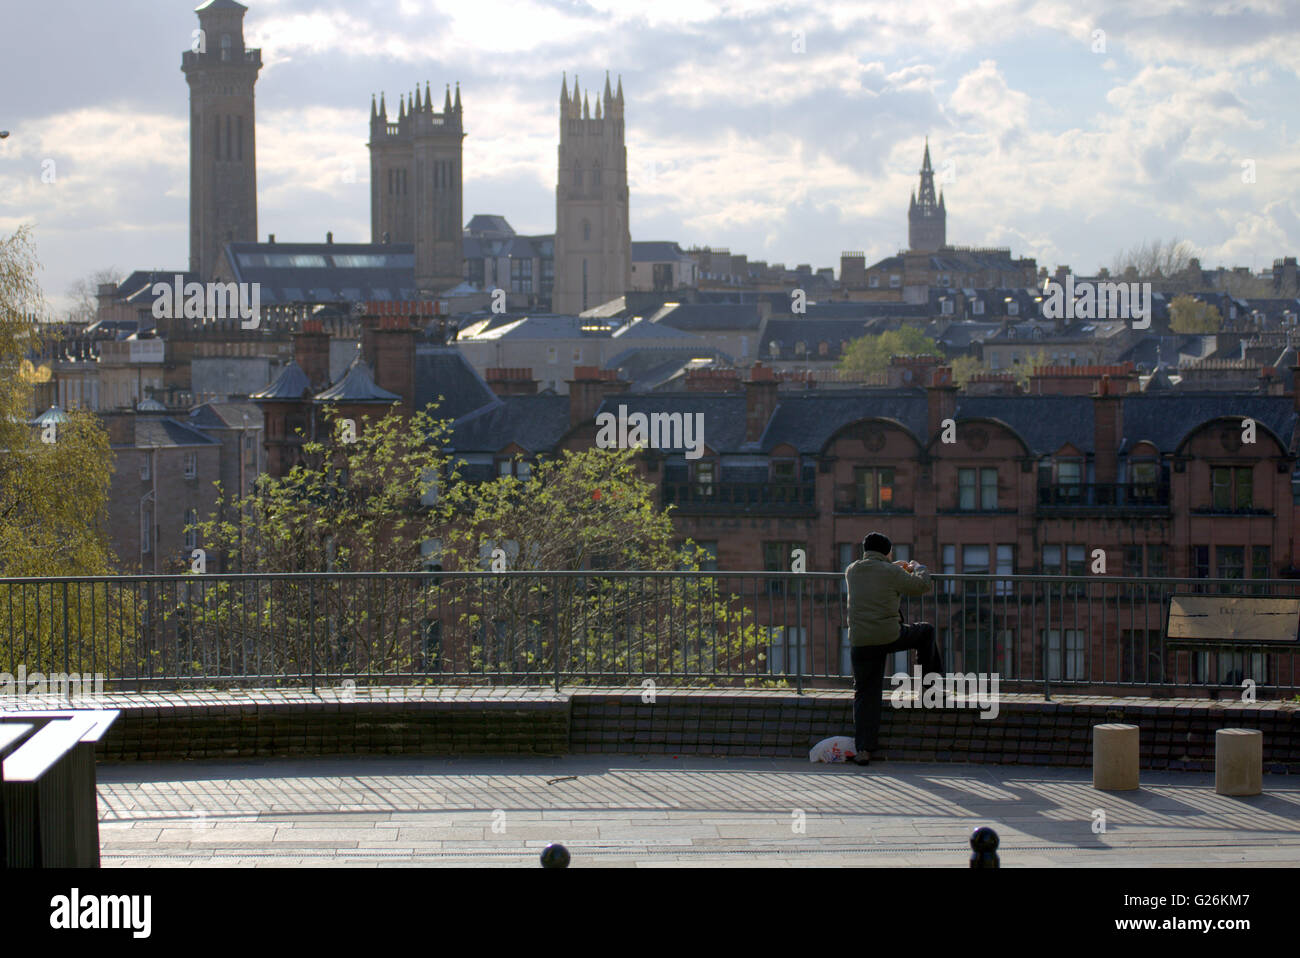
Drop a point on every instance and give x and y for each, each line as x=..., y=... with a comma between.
x=1238, y=761
x=984, y=848
x=1115, y=757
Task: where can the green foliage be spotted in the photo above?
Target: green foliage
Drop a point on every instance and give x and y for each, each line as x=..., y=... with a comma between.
x=588, y=510
x=1188, y=315
x=870, y=355
x=53, y=502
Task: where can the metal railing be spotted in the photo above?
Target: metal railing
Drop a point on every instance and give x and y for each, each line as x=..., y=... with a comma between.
x=1128, y=495
x=771, y=497
x=758, y=629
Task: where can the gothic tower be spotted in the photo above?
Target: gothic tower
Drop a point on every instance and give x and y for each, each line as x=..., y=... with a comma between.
x=415, y=184
x=593, y=246
x=926, y=217
x=223, y=155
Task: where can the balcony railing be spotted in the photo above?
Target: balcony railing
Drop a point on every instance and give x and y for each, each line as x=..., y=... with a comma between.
x=1036, y=633
x=798, y=498
x=1121, y=495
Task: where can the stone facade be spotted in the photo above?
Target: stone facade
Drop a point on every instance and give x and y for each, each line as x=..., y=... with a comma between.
x=223, y=155
x=593, y=245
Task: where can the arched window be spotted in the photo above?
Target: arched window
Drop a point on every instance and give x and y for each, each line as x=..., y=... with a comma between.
x=595, y=174
x=225, y=46
x=577, y=176
x=586, y=230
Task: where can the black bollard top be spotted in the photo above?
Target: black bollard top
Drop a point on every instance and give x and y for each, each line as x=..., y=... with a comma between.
x=984, y=839
x=984, y=848
x=555, y=855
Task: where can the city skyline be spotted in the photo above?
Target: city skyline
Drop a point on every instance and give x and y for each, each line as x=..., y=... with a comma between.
x=1157, y=126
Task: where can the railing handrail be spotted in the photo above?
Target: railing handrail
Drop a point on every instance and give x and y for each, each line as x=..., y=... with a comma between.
x=629, y=573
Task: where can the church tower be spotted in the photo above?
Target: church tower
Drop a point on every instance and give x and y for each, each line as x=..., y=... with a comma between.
x=926, y=217
x=415, y=184
x=593, y=245
x=223, y=154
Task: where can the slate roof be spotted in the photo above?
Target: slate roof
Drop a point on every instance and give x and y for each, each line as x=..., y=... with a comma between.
x=291, y=385
x=226, y=415
x=489, y=223
x=709, y=316
x=645, y=329
x=544, y=327
x=142, y=281
x=808, y=422
x=536, y=423
x=724, y=414
x=1045, y=423
x=357, y=385
x=650, y=367
x=165, y=431
x=1165, y=418
x=654, y=251
x=443, y=370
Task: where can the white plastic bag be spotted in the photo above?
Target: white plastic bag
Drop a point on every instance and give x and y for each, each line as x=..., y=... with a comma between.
x=837, y=748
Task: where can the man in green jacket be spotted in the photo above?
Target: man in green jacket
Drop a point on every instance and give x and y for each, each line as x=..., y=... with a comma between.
x=876, y=629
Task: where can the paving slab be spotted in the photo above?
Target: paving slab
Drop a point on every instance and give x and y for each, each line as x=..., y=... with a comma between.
x=659, y=811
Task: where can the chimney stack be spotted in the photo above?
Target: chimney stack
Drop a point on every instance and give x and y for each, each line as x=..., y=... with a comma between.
x=311, y=351
x=511, y=382
x=1108, y=430
x=760, y=400
x=588, y=388
x=940, y=398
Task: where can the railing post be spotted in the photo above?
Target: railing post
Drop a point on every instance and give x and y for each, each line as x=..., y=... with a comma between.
x=1047, y=638
x=311, y=636
x=555, y=633
x=798, y=664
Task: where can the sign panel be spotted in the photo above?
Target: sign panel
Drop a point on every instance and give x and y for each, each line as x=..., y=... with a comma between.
x=1237, y=618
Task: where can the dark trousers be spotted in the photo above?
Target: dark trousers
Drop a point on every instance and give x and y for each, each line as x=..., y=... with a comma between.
x=869, y=668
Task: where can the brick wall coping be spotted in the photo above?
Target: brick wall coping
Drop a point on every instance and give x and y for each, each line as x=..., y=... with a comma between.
x=522, y=696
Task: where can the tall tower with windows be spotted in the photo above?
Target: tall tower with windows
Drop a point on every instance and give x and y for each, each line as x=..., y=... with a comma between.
x=926, y=217
x=221, y=74
x=415, y=184
x=593, y=244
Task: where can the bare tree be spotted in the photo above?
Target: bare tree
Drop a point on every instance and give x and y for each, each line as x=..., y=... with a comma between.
x=1157, y=261
x=84, y=294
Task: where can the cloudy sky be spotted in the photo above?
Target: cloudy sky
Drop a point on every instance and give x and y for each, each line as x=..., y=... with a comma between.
x=787, y=132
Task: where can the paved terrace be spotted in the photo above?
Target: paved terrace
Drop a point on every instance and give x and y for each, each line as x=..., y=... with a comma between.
x=647, y=811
